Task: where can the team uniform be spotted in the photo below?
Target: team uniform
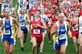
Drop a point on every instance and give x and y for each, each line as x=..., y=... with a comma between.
x=23, y=25
x=8, y=32
x=5, y=5
x=27, y=4
x=80, y=25
x=75, y=30
x=36, y=32
x=21, y=3
x=62, y=36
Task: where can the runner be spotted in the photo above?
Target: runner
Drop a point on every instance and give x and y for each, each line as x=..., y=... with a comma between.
x=24, y=19
x=75, y=30
x=8, y=34
x=80, y=32
x=36, y=32
x=61, y=28
x=49, y=15
x=45, y=19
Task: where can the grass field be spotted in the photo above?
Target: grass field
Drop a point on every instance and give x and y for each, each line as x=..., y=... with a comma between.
x=48, y=48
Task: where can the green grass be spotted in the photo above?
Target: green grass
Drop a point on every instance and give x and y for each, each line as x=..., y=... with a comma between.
x=48, y=48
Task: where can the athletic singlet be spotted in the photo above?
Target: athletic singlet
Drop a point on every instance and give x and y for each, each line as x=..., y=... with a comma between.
x=74, y=25
x=62, y=30
x=22, y=20
x=21, y=3
x=6, y=1
x=8, y=29
x=4, y=6
x=36, y=31
x=44, y=17
x=80, y=24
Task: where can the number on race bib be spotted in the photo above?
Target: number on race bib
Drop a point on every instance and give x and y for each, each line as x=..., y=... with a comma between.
x=36, y=31
x=23, y=23
x=74, y=28
x=7, y=32
x=62, y=36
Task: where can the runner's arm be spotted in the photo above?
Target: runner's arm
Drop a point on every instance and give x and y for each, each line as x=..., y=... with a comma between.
x=44, y=25
x=27, y=19
x=69, y=28
x=53, y=30
x=18, y=30
x=1, y=28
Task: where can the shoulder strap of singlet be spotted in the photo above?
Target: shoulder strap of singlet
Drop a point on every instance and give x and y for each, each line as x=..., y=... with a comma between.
x=25, y=16
x=57, y=24
x=11, y=19
x=3, y=21
x=65, y=23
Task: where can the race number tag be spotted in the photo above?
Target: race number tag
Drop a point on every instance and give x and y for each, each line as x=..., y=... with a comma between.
x=62, y=36
x=7, y=32
x=23, y=23
x=75, y=28
x=36, y=31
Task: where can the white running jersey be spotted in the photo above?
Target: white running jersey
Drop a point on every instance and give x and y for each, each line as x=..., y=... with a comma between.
x=80, y=24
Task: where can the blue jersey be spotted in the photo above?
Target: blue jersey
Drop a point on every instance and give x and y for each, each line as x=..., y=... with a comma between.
x=62, y=37
x=7, y=28
x=62, y=30
x=6, y=1
x=22, y=20
x=8, y=32
x=21, y=3
x=4, y=6
x=44, y=18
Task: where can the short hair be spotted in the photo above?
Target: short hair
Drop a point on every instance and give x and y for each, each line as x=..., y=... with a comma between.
x=61, y=14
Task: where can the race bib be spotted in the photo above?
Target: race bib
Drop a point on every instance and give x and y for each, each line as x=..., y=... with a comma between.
x=7, y=32
x=62, y=36
x=23, y=23
x=36, y=31
x=74, y=28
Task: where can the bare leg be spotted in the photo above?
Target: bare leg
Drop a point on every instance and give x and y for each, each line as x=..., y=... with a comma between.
x=11, y=49
x=63, y=49
x=75, y=43
x=6, y=47
x=34, y=45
